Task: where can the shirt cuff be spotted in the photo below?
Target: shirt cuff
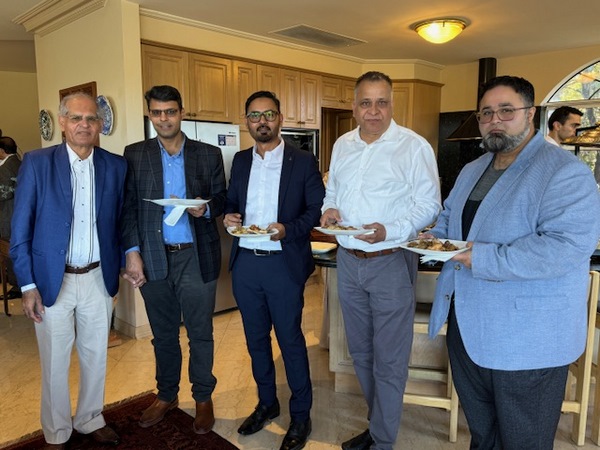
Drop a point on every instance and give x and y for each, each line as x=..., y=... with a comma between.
x=28, y=287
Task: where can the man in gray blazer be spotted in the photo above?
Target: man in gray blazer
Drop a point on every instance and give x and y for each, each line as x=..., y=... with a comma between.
x=175, y=266
x=516, y=301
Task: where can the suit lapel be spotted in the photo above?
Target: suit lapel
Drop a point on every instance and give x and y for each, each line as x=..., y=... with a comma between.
x=100, y=177
x=286, y=172
x=63, y=167
x=156, y=168
x=190, y=163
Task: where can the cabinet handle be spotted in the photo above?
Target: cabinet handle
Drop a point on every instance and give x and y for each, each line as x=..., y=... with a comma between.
x=193, y=114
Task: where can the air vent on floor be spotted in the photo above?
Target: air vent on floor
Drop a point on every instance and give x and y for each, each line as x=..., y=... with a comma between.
x=316, y=36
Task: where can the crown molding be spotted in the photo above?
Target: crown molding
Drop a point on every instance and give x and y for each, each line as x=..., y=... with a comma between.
x=50, y=15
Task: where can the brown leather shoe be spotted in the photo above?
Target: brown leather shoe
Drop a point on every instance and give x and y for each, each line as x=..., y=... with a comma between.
x=105, y=435
x=156, y=412
x=205, y=417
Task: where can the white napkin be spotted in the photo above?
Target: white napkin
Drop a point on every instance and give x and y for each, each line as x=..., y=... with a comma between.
x=174, y=215
x=441, y=257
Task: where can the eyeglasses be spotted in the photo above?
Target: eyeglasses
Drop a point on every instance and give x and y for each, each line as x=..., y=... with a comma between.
x=270, y=116
x=92, y=120
x=171, y=112
x=368, y=104
x=504, y=114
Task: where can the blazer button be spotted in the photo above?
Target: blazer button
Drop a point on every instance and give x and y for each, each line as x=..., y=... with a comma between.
x=457, y=267
x=447, y=297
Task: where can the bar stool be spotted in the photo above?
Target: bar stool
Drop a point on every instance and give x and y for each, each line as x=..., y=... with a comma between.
x=582, y=371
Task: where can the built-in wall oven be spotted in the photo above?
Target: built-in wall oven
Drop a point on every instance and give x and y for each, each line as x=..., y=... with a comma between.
x=304, y=139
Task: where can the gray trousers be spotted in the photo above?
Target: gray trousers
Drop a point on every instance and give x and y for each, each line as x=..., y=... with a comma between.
x=378, y=306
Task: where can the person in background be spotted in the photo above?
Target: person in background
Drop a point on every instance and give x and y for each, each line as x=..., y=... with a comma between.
x=9, y=167
x=382, y=177
x=563, y=124
x=516, y=301
x=175, y=266
x=277, y=187
x=66, y=252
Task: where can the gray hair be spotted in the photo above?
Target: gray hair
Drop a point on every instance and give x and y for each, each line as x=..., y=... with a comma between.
x=64, y=111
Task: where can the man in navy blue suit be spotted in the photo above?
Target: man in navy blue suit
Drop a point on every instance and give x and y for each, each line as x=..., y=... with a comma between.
x=66, y=252
x=277, y=187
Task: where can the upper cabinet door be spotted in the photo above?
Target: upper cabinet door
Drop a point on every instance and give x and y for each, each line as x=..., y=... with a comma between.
x=210, y=94
x=164, y=66
x=244, y=85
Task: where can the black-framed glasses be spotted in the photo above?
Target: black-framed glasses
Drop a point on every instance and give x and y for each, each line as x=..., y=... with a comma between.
x=269, y=115
x=171, y=112
x=504, y=114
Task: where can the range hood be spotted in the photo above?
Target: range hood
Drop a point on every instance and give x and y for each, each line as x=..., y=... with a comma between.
x=469, y=129
x=590, y=137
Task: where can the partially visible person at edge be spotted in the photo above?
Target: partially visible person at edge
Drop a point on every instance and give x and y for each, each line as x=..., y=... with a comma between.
x=563, y=124
x=279, y=187
x=516, y=302
x=66, y=251
x=384, y=178
x=175, y=266
x=9, y=167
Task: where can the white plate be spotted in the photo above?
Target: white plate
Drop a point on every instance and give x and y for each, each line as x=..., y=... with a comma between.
x=46, y=125
x=436, y=255
x=106, y=113
x=189, y=202
x=322, y=247
x=359, y=230
x=252, y=235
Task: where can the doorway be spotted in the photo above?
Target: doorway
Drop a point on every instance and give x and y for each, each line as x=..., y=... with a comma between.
x=334, y=123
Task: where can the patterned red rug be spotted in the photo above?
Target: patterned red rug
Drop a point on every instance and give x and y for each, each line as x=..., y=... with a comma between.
x=173, y=432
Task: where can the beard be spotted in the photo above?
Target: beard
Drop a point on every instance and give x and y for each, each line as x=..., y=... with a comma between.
x=264, y=134
x=502, y=142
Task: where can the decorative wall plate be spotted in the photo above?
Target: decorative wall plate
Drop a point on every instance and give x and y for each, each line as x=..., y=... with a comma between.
x=107, y=113
x=46, y=125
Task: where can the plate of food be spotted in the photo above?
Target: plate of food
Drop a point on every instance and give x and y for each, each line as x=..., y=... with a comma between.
x=336, y=229
x=319, y=248
x=434, y=249
x=253, y=231
x=188, y=202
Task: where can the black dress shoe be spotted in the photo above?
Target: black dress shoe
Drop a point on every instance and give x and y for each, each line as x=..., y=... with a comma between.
x=256, y=421
x=297, y=435
x=105, y=435
x=361, y=442
x=12, y=294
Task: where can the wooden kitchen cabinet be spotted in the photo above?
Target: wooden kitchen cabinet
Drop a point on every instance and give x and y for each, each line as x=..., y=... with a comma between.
x=300, y=95
x=417, y=106
x=203, y=81
x=337, y=93
x=248, y=78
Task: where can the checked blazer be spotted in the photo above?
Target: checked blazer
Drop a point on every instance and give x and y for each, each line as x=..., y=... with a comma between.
x=142, y=223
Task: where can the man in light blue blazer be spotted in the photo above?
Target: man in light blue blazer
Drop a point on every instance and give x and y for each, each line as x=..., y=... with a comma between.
x=516, y=301
x=67, y=255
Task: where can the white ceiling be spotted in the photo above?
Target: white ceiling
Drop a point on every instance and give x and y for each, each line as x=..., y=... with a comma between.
x=497, y=29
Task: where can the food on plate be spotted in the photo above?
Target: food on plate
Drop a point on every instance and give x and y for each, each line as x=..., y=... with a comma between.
x=336, y=226
x=252, y=229
x=433, y=244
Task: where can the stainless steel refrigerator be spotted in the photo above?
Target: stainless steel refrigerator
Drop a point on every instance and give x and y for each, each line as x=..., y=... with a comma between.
x=227, y=138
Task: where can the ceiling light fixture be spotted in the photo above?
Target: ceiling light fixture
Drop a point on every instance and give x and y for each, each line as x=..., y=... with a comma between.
x=439, y=31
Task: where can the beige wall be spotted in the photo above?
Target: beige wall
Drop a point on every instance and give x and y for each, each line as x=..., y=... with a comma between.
x=19, y=114
x=544, y=70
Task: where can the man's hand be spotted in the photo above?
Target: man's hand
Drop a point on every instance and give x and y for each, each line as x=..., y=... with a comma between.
x=464, y=257
x=378, y=236
x=32, y=305
x=197, y=211
x=280, y=231
x=134, y=269
x=232, y=220
x=330, y=216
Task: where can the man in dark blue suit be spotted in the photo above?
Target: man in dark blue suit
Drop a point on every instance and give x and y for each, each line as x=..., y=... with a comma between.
x=66, y=253
x=277, y=187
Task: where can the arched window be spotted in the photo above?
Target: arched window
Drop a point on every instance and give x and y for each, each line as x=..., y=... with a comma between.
x=581, y=90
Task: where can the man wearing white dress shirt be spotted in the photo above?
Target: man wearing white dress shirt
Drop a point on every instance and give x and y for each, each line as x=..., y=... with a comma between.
x=66, y=253
x=382, y=177
x=279, y=187
x=563, y=124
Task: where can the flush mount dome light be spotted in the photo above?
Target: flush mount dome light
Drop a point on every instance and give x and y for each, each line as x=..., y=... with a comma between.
x=439, y=31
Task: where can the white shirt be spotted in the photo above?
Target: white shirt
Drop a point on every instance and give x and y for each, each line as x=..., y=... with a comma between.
x=393, y=181
x=84, y=247
x=551, y=140
x=263, y=196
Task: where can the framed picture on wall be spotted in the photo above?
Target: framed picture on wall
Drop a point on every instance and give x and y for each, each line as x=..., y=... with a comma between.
x=88, y=88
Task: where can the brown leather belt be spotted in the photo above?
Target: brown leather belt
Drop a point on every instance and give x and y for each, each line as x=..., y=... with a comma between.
x=365, y=255
x=259, y=252
x=177, y=247
x=81, y=270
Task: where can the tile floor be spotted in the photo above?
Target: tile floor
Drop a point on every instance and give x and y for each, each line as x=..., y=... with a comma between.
x=336, y=417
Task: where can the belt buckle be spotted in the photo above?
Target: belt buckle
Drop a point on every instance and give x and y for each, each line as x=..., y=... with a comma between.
x=258, y=252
